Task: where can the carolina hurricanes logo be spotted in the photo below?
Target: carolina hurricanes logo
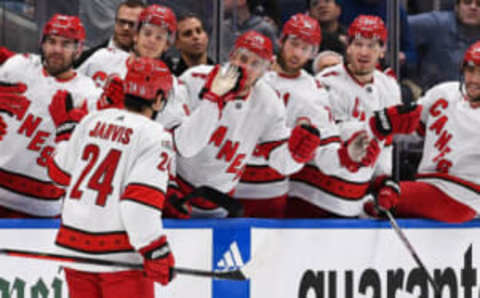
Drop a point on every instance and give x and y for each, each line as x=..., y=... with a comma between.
x=307, y=24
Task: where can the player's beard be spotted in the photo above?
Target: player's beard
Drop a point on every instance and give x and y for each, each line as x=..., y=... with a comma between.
x=283, y=64
x=55, y=70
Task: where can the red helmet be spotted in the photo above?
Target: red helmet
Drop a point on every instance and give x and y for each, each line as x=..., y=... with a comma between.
x=159, y=15
x=146, y=77
x=368, y=27
x=304, y=27
x=472, y=55
x=65, y=26
x=256, y=43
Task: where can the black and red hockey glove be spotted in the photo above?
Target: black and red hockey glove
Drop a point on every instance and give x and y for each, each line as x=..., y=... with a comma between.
x=64, y=115
x=387, y=196
x=158, y=261
x=303, y=142
x=113, y=94
x=399, y=119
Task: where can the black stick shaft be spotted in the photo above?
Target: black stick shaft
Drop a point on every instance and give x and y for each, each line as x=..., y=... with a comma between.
x=411, y=249
x=232, y=275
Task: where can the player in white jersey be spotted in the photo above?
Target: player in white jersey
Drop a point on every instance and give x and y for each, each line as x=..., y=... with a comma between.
x=263, y=190
x=24, y=184
x=338, y=186
x=154, y=34
x=447, y=185
x=116, y=168
x=251, y=115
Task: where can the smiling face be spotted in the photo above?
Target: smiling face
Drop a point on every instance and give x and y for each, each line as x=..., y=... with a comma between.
x=363, y=55
x=151, y=41
x=472, y=82
x=59, y=53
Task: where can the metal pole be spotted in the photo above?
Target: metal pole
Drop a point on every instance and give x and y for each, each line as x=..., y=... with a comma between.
x=393, y=26
x=217, y=28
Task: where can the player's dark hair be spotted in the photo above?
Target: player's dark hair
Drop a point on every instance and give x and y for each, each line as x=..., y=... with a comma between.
x=131, y=4
x=136, y=104
x=188, y=15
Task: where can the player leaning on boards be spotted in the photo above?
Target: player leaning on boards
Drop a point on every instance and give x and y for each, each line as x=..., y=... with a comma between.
x=251, y=114
x=25, y=188
x=447, y=185
x=115, y=167
x=360, y=97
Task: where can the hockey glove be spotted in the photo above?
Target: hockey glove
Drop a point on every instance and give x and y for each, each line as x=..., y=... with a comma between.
x=219, y=83
x=5, y=54
x=113, y=94
x=303, y=142
x=175, y=207
x=241, y=81
x=12, y=101
x=158, y=261
x=399, y=119
x=387, y=197
x=358, y=152
x=64, y=116
x=3, y=128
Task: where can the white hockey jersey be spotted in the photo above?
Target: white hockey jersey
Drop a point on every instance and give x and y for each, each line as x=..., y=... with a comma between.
x=351, y=100
x=305, y=100
x=25, y=149
x=117, y=167
x=105, y=63
x=244, y=123
x=451, y=158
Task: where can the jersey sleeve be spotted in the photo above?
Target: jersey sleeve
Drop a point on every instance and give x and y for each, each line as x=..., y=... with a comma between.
x=195, y=129
x=145, y=188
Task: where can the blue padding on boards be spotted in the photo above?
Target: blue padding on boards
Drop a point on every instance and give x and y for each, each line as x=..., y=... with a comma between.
x=231, y=249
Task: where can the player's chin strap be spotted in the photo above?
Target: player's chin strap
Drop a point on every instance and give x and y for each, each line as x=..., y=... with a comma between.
x=231, y=205
x=230, y=275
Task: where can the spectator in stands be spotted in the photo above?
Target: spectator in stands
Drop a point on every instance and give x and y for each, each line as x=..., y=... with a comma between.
x=240, y=19
x=334, y=34
x=191, y=42
x=441, y=38
x=326, y=59
x=353, y=8
x=124, y=30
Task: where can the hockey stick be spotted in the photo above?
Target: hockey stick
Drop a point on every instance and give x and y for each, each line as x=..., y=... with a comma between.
x=233, y=207
x=409, y=247
x=230, y=275
x=396, y=227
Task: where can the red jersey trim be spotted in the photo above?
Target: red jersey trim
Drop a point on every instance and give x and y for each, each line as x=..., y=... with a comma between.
x=24, y=185
x=145, y=195
x=264, y=149
x=57, y=174
x=346, y=190
x=330, y=140
x=46, y=74
x=94, y=243
x=421, y=129
x=445, y=177
x=351, y=75
x=289, y=76
x=260, y=174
